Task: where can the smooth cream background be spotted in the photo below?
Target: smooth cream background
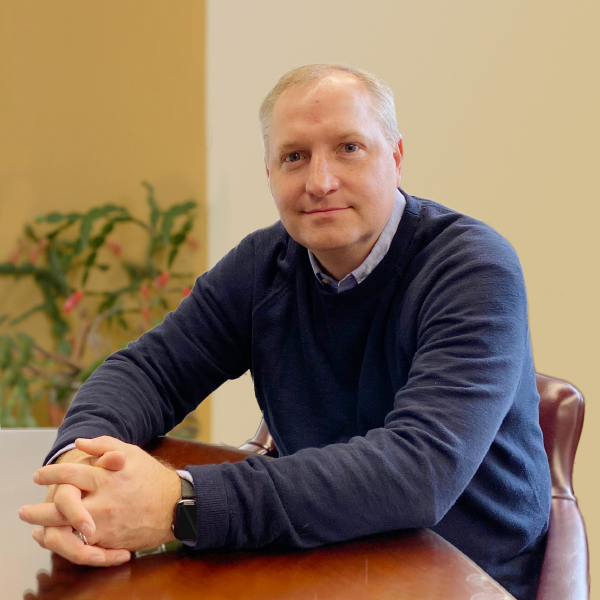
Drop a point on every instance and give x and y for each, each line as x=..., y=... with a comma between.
x=498, y=103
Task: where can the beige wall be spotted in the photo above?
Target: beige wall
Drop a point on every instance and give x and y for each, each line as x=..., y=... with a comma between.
x=498, y=103
x=94, y=98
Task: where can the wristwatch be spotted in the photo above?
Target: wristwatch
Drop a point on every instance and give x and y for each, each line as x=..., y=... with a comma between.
x=184, y=517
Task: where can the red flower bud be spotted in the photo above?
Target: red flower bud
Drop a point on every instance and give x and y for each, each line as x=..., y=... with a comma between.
x=73, y=300
x=115, y=247
x=77, y=297
x=33, y=255
x=185, y=291
x=68, y=305
x=145, y=290
x=161, y=280
x=146, y=314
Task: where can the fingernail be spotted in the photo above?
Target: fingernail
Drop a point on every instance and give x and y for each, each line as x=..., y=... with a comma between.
x=97, y=559
x=36, y=477
x=86, y=530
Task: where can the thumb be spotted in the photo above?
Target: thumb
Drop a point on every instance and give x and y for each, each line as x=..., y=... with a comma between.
x=112, y=461
x=100, y=445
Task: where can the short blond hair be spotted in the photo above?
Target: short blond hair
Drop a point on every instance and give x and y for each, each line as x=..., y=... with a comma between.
x=381, y=93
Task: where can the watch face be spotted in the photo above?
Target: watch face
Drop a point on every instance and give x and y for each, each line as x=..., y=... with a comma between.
x=185, y=521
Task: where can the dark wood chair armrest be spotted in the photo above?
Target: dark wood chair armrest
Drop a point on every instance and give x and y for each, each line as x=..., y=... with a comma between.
x=181, y=453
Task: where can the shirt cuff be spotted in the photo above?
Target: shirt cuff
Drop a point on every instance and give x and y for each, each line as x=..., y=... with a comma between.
x=186, y=475
x=60, y=453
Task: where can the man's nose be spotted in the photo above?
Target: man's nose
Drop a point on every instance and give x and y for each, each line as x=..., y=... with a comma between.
x=321, y=178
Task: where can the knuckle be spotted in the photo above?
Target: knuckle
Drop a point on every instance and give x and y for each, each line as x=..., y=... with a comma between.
x=50, y=540
x=58, y=518
x=67, y=470
x=65, y=507
x=63, y=501
x=60, y=493
x=50, y=493
x=55, y=541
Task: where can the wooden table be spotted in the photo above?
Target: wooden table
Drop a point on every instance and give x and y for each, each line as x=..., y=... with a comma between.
x=408, y=565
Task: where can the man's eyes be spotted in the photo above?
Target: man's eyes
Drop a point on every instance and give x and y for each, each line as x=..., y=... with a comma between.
x=296, y=156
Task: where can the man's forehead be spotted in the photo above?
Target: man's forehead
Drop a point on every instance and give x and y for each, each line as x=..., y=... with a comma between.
x=344, y=100
x=312, y=91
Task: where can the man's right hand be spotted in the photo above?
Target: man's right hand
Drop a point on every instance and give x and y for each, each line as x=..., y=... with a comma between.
x=65, y=501
x=63, y=507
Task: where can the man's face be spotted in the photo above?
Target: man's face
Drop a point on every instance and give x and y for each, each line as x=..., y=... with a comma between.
x=332, y=173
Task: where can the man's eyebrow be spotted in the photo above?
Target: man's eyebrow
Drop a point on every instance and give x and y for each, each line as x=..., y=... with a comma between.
x=349, y=134
x=287, y=146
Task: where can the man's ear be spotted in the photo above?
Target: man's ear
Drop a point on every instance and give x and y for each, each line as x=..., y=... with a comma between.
x=398, y=154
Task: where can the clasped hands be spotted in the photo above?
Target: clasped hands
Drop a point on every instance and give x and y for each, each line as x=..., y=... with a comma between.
x=118, y=496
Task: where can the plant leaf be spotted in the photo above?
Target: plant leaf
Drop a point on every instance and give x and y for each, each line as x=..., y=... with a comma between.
x=154, y=210
x=27, y=313
x=63, y=347
x=53, y=217
x=30, y=233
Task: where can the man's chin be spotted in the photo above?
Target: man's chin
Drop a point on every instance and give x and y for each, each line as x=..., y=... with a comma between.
x=328, y=246
x=328, y=241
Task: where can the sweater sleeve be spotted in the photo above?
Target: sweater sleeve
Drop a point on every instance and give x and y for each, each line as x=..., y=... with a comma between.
x=471, y=344
x=145, y=390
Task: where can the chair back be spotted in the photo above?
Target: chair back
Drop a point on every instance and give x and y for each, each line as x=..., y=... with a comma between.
x=565, y=570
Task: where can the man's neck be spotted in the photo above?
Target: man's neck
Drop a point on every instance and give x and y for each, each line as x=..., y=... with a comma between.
x=339, y=263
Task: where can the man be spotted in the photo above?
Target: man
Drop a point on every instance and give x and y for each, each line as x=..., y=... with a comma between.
x=388, y=341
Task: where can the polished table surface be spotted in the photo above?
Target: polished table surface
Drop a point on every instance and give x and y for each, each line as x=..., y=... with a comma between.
x=408, y=565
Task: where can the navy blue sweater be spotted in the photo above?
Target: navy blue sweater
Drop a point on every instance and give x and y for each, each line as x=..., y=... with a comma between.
x=408, y=401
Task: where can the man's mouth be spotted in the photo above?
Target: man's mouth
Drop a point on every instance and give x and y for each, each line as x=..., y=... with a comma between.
x=324, y=210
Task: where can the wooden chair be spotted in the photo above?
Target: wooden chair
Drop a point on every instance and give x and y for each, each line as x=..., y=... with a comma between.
x=565, y=571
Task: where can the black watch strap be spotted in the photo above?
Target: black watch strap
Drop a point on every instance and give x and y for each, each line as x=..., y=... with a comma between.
x=187, y=490
x=184, y=517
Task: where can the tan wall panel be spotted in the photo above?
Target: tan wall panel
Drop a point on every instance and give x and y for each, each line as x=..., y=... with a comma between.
x=94, y=98
x=498, y=103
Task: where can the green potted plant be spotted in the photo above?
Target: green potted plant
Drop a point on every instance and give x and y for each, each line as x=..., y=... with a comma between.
x=91, y=295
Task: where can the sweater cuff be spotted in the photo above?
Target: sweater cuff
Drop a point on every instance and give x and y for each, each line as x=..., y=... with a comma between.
x=211, y=504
